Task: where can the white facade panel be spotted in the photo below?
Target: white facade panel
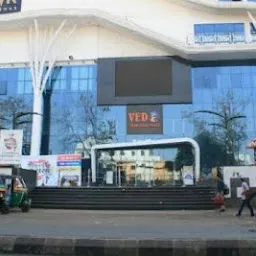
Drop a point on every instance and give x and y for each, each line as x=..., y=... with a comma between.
x=162, y=16
x=87, y=43
x=162, y=27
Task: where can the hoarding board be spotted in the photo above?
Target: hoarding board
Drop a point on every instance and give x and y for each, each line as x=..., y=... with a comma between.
x=55, y=170
x=10, y=146
x=145, y=119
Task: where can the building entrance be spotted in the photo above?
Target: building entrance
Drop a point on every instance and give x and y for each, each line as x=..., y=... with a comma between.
x=145, y=165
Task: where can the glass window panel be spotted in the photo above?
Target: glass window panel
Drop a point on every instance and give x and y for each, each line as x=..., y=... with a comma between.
x=75, y=73
x=21, y=74
x=83, y=85
x=63, y=84
x=253, y=80
x=239, y=27
x=56, y=85
x=28, y=87
x=2, y=74
x=235, y=70
x=220, y=28
x=198, y=29
x=92, y=72
x=207, y=96
x=74, y=85
x=20, y=87
x=56, y=73
x=63, y=73
x=84, y=73
x=246, y=80
x=27, y=74
x=236, y=80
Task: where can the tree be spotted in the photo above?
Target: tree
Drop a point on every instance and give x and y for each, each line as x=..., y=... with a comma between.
x=212, y=152
x=14, y=114
x=86, y=126
x=228, y=127
x=184, y=156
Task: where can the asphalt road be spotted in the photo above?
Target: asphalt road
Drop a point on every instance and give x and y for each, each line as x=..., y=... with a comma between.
x=128, y=224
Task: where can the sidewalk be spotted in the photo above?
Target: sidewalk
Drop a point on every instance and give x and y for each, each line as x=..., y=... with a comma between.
x=126, y=229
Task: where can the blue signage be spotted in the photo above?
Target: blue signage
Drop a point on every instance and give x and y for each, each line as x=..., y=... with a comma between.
x=69, y=163
x=10, y=6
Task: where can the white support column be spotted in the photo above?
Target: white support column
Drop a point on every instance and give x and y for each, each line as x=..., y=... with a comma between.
x=42, y=58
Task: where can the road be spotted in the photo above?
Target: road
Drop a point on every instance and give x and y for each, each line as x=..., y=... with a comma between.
x=127, y=224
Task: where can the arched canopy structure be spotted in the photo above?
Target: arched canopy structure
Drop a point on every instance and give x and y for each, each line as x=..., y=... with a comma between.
x=149, y=143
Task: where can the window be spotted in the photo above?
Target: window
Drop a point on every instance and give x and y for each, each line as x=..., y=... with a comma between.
x=83, y=78
x=122, y=153
x=24, y=83
x=133, y=153
x=58, y=79
x=219, y=33
x=3, y=87
x=142, y=152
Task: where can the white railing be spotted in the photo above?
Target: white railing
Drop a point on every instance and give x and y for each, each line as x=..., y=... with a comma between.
x=216, y=39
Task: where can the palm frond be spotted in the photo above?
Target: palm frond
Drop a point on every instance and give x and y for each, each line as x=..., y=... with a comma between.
x=20, y=114
x=236, y=117
x=23, y=122
x=210, y=112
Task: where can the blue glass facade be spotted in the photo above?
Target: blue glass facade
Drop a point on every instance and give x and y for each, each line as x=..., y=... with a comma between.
x=70, y=101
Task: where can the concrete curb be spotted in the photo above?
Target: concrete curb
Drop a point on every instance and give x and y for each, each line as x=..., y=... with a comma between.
x=129, y=247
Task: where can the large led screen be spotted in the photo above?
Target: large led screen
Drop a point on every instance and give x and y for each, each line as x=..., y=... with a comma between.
x=151, y=80
x=143, y=78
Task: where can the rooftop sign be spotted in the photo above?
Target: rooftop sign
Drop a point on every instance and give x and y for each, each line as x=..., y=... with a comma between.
x=10, y=6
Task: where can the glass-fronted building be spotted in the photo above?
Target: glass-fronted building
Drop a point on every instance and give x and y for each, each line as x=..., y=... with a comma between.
x=215, y=39
x=72, y=114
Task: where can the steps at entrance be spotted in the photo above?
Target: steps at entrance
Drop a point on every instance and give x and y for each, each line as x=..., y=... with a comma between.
x=105, y=198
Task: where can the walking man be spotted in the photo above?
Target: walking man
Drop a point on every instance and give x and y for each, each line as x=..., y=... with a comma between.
x=246, y=198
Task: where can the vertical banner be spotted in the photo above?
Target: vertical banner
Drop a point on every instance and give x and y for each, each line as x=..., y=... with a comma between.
x=145, y=119
x=10, y=146
x=69, y=169
x=188, y=175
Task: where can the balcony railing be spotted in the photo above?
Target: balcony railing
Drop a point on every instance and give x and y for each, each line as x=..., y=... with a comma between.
x=225, y=38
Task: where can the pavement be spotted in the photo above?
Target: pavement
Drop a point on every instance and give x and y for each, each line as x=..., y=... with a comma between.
x=138, y=233
x=128, y=224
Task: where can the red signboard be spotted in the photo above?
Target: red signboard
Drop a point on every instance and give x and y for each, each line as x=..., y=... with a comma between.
x=146, y=119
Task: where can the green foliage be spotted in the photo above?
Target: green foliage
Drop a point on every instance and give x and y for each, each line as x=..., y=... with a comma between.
x=212, y=152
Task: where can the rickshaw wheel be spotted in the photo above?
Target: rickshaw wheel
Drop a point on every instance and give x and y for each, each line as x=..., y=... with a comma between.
x=5, y=209
x=25, y=208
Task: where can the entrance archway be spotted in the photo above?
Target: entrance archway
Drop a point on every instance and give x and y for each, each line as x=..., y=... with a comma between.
x=149, y=143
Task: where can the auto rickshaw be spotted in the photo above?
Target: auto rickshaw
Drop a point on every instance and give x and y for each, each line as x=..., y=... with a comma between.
x=13, y=194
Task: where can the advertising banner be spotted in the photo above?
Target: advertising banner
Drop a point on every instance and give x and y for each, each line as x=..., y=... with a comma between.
x=69, y=168
x=10, y=146
x=55, y=170
x=146, y=119
x=188, y=175
x=10, y=6
x=230, y=172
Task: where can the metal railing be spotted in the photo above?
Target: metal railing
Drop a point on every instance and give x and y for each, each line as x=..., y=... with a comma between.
x=219, y=39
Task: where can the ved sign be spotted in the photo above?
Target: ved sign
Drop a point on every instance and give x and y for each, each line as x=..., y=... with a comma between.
x=10, y=6
x=144, y=119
